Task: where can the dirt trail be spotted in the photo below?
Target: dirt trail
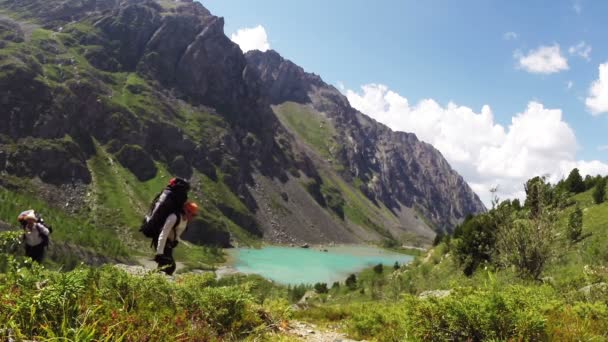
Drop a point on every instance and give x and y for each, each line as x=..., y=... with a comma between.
x=310, y=333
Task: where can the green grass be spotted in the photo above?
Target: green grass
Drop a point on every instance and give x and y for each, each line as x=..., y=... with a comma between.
x=107, y=304
x=67, y=228
x=357, y=208
x=214, y=193
x=316, y=130
x=200, y=125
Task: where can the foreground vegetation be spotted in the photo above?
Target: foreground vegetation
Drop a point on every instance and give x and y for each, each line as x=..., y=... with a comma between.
x=531, y=272
x=109, y=304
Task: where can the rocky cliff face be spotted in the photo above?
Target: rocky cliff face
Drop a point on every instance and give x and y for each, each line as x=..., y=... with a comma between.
x=160, y=83
x=395, y=167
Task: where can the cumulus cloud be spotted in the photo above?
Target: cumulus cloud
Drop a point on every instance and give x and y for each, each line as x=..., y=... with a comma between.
x=582, y=50
x=486, y=154
x=509, y=35
x=597, y=100
x=253, y=38
x=544, y=60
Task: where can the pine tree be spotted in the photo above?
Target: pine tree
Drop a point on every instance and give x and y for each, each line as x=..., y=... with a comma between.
x=574, y=182
x=599, y=192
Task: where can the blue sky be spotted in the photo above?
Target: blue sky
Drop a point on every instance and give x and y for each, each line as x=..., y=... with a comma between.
x=452, y=51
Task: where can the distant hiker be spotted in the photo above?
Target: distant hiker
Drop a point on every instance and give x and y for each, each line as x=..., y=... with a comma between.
x=175, y=225
x=35, y=236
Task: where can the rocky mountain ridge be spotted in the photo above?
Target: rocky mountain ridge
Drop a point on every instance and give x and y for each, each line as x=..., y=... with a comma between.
x=158, y=85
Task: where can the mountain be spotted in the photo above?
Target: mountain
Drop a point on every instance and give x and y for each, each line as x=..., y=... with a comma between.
x=102, y=100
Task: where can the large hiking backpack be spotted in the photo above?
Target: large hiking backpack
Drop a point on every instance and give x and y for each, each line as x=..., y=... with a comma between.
x=169, y=201
x=45, y=238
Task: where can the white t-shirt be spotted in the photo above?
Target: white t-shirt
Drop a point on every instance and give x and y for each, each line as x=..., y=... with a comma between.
x=33, y=238
x=168, y=233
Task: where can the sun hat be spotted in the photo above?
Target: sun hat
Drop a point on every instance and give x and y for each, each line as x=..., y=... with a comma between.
x=27, y=215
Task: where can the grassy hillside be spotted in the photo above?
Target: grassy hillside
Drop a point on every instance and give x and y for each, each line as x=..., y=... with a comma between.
x=433, y=300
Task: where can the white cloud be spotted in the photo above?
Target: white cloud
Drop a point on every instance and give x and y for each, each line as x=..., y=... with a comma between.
x=569, y=85
x=602, y=148
x=597, y=101
x=341, y=86
x=581, y=49
x=544, y=60
x=485, y=153
x=253, y=38
x=509, y=35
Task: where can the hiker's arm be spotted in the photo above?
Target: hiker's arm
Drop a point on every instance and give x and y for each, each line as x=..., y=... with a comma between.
x=42, y=229
x=162, y=238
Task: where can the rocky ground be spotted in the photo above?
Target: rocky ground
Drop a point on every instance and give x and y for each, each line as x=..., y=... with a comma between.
x=310, y=332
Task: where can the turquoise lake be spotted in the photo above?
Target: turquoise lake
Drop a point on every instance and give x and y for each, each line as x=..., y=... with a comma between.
x=289, y=265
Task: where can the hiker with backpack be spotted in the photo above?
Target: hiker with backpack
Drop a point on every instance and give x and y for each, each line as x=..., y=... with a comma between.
x=35, y=236
x=175, y=225
x=167, y=219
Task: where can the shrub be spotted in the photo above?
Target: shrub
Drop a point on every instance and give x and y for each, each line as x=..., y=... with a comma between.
x=527, y=243
x=295, y=293
x=476, y=242
x=575, y=225
x=107, y=304
x=438, y=238
x=574, y=183
x=599, y=192
x=378, y=269
x=351, y=282
x=321, y=288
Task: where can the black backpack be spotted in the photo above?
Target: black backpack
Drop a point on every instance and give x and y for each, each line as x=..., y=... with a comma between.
x=169, y=201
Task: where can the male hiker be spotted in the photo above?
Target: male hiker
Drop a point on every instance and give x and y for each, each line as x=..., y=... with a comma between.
x=35, y=236
x=168, y=206
x=175, y=225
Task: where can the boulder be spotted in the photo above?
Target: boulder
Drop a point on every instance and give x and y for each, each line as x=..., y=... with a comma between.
x=435, y=294
x=53, y=161
x=136, y=160
x=203, y=232
x=180, y=167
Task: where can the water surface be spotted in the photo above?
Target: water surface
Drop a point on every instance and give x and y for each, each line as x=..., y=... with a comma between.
x=292, y=265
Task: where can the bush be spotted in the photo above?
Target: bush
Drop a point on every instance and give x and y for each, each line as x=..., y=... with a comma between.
x=351, y=282
x=599, y=192
x=321, y=288
x=107, y=304
x=476, y=242
x=575, y=225
x=438, y=238
x=295, y=293
x=515, y=313
x=574, y=183
x=527, y=243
